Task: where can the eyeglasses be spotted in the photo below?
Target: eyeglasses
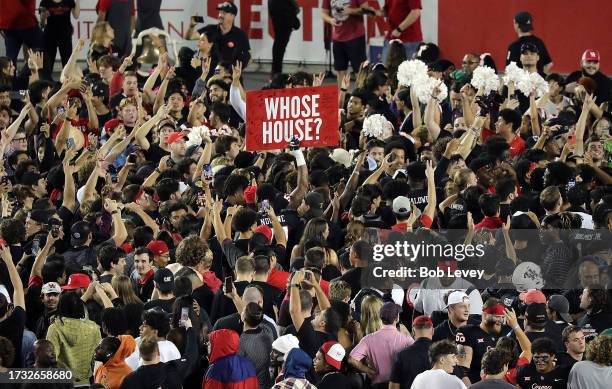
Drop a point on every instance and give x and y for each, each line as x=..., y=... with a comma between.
x=19, y=140
x=469, y=62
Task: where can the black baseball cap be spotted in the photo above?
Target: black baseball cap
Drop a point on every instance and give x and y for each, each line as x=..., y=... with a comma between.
x=529, y=47
x=79, y=233
x=524, y=21
x=228, y=7
x=536, y=315
x=164, y=280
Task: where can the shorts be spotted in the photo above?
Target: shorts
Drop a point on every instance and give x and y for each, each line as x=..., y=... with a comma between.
x=353, y=51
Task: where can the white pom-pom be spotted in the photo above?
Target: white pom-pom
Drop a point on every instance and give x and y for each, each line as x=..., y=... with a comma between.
x=195, y=136
x=411, y=71
x=424, y=89
x=538, y=84
x=485, y=78
x=513, y=73
x=377, y=126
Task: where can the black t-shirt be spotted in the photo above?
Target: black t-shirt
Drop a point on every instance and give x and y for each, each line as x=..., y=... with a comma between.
x=353, y=278
x=514, y=51
x=480, y=341
x=148, y=15
x=335, y=380
x=270, y=297
x=156, y=153
x=311, y=340
x=527, y=377
x=233, y=46
x=410, y=362
x=564, y=359
x=12, y=328
x=445, y=330
x=58, y=21
x=166, y=305
x=595, y=323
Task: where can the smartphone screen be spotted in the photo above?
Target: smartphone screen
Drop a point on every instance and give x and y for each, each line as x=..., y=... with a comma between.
x=229, y=286
x=184, y=313
x=208, y=172
x=70, y=143
x=265, y=206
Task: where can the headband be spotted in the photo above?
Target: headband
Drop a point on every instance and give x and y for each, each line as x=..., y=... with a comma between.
x=498, y=309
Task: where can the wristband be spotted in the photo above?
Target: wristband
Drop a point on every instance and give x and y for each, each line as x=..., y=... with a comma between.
x=114, y=212
x=295, y=286
x=157, y=170
x=299, y=157
x=344, y=89
x=399, y=30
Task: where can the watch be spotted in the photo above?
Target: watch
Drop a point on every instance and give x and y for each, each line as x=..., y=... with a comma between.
x=295, y=286
x=399, y=30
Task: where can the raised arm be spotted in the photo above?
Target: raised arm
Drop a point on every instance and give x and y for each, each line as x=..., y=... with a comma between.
x=295, y=307
x=522, y=338
x=581, y=124
x=431, y=111
x=120, y=232
x=42, y=255
x=68, y=197
x=11, y=130
x=417, y=119
x=217, y=223
x=373, y=178
x=148, y=220
x=69, y=69
x=236, y=91
x=296, y=196
x=430, y=209
x=140, y=134
x=352, y=182
x=277, y=228
x=18, y=294
x=533, y=115
x=161, y=94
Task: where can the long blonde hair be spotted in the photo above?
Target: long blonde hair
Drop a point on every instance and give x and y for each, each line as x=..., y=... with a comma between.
x=123, y=287
x=370, y=314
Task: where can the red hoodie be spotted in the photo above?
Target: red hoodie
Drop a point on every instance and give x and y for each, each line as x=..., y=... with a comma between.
x=228, y=370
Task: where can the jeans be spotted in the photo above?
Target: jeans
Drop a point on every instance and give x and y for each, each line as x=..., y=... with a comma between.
x=409, y=47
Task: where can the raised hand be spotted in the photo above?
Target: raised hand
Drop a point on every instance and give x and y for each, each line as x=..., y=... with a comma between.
x=236, y=73
x=127, y=62
x=317, y=80
x=346, y=81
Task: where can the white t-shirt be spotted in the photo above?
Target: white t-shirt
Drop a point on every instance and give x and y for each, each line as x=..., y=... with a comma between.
x=437, y=379
x=431, y=298
x=167, y=352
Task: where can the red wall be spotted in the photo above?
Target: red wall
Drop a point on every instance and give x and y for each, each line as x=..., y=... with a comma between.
x=568, y=27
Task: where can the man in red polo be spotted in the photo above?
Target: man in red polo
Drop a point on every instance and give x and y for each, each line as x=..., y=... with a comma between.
x=19, y=26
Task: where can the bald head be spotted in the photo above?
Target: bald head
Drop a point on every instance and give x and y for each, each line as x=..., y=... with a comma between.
x=588, y=272
x=252, y=294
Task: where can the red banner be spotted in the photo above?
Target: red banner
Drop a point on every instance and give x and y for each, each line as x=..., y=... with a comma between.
x=274, y=116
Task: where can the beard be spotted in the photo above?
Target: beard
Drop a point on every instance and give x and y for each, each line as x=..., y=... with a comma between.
x=492, y=327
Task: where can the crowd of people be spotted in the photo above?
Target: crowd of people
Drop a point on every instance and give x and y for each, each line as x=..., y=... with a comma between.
x=142, y=245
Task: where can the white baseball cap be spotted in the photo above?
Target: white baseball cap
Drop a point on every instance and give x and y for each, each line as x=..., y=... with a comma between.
x=457, y=297
x=51, y=287
x=285, y=343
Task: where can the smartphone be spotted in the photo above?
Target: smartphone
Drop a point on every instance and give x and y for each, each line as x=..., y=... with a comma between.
x=208, y=174
x=61, y=110
x=198, y=19
x=571, y=184
x=131, y=158
x=70, y=143
x=229, y=285
x=307, y=275
x=392, y=157
x=184, y=313
x=35, y=246
x=265, y=206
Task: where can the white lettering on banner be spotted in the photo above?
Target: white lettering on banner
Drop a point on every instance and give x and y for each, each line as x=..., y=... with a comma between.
x=290, y=116
x=306, y=44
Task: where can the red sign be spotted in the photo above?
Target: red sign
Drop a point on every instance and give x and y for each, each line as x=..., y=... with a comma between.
x=275, y=116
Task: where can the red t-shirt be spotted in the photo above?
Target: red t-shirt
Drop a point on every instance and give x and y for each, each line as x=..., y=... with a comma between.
x=351, y=27
x=517, y=146
x=425, y=220
x=396, y=11
x=490, y=222
x=511, y=374
x=104, y=5
x=17, y=14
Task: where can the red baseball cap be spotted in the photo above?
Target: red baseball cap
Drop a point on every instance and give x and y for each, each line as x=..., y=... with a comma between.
x=334, y=353
x=266, y=231
x=591, y=55
x=77, y=281
x=174, y=137
x=423, y=321
x=533, y=296
x=158, y=247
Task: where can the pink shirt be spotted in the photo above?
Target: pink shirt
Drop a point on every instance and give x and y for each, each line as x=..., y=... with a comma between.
x=380, y=348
